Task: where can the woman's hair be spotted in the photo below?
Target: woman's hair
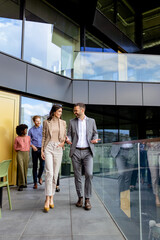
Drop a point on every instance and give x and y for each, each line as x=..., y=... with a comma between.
x=20, y=129
x=54, y=108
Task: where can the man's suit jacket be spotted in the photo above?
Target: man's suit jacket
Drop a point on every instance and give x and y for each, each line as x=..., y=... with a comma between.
x=47, y=132
x=73, y=133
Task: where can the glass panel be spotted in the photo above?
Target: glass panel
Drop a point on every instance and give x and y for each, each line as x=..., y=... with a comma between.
x=110, y=122
x=152, y=116
x=150, y=189
x=29, y=108
x=115, y=178
x=10, y=36
x=128, y=128
x=42, y=11
x=47, y=47
x=117, y=67
x=100, y=66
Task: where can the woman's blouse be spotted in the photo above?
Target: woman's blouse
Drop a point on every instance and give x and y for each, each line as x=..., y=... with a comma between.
x=22, y=144
x=55, y=130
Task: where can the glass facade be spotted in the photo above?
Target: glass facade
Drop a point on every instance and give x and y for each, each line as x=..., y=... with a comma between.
x=53, y=50
x=55, y=38
x=10, y=36
x=124, y=123
x=44, y=40
x=117, y=67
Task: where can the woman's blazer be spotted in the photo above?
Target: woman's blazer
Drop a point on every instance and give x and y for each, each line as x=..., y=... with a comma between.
x=47, y=132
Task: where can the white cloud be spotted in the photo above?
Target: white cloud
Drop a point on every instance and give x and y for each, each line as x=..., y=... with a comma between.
x=5, y=25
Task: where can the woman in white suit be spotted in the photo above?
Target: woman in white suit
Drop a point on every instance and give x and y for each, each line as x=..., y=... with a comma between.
x=54, y=135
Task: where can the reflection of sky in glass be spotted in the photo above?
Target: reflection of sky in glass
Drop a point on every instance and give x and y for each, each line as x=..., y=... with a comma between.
x=118, y=67
x=10, y=36
x=31, y=107
x=89, y=65
x=125, y=132
x=40, y=50
x=124, y=135
x=38, y=46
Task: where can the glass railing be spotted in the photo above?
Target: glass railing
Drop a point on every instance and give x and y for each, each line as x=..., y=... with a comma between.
x=117, y=67
x=127, y=179
x=47, y=47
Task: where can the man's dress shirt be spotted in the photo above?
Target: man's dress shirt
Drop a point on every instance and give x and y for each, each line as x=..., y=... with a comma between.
x=36, y=136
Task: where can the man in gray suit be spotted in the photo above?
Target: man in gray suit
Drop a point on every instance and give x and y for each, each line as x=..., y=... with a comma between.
x=82, y=135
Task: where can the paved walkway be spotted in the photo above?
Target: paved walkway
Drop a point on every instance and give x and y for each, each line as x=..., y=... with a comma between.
x=27, y=221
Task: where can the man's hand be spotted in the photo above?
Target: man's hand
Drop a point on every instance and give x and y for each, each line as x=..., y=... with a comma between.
x=42, y=155
x=95, y=140
x=68, y=141
x=34, y=148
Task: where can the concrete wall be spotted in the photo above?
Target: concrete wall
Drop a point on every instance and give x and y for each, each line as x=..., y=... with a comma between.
x=18, y=75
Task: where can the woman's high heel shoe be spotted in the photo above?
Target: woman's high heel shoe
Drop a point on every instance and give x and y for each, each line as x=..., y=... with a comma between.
x=51, y=205
x=46, y=209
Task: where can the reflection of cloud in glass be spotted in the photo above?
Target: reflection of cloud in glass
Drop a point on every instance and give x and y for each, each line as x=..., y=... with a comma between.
x=5, y=24
x=41, y=108
x=140, y=61
x=39, y=46
x=128, y=67
x=33, y=107
x=100, y=65
x=10, y=36
x=3, y=37
x=45, y=53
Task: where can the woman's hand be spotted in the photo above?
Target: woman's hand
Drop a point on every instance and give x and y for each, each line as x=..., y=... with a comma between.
x=68, y=141
x=42, y=155
x=61, y=144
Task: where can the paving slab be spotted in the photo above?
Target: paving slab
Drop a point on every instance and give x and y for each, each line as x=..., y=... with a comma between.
x=65, y=222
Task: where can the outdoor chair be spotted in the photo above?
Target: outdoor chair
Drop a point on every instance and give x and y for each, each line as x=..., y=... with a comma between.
x=4, y=165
